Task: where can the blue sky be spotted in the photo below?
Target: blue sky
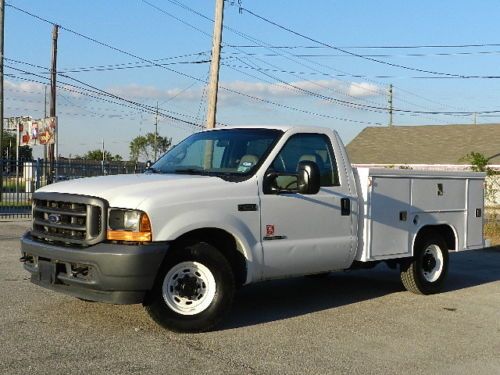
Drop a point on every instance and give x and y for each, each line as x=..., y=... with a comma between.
x=314, y=86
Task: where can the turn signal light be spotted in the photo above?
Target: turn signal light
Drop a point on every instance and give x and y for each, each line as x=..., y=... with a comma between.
x=142, y=235
x=145, y=224
x=118, y=235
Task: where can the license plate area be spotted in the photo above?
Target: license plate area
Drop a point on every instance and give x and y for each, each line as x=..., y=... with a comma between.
x=46, y=272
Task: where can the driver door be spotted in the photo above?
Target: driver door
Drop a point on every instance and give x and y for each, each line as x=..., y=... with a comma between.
x=305, y=234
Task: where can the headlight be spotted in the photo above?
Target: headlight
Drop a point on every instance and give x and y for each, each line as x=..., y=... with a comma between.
x=129, y=225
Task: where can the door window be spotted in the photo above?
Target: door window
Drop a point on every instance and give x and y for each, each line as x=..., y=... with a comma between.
x=306, y=147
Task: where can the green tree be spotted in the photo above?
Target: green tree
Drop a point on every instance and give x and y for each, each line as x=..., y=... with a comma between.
x=143, y=146
x=478, y=162
x=97, y=155
x=9, y=148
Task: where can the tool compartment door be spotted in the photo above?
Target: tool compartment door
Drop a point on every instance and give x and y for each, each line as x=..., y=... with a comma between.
x=438, y=194
x=389, y=215
x=475, y=213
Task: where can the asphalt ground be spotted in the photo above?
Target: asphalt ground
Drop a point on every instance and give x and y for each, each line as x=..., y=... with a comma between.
x=359, y=322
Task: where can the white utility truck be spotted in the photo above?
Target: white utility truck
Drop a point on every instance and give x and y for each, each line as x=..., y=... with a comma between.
x=234, y=206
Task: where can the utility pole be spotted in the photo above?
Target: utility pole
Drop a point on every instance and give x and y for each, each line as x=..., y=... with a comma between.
x=2, y=18
x=390, y=105
x=45, y=116
x=214, y=64
x=103, y=158
x=214, y=80
x=53, y=149
x=156, y=132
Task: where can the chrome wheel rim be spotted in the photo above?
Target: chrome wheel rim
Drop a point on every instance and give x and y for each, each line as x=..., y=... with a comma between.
x=189, y=288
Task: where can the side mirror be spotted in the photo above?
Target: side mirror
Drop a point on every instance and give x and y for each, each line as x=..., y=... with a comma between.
x=308, y=177
x=269, y=183
x=148, y=164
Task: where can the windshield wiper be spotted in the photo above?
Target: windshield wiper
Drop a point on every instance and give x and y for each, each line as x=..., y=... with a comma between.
x=190, y=171
x=152, y=170
x=228, y=176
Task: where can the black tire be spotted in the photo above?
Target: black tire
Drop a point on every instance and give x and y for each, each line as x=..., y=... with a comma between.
x=182, y=289
x=426, y=272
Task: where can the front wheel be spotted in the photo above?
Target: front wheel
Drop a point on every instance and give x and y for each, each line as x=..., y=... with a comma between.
x=194, y=289
x=426, y=272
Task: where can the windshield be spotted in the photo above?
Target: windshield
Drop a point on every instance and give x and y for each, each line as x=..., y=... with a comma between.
x=225, y=153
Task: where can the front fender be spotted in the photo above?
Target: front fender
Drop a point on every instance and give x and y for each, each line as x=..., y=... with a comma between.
x=245, y=230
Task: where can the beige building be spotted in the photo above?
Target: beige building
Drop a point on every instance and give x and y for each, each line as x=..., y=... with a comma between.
x=426, y=146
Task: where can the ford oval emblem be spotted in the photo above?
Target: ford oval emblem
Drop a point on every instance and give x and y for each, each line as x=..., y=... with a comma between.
x=54, y=218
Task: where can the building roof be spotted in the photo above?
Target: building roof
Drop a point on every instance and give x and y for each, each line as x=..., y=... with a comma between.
x=427, y=144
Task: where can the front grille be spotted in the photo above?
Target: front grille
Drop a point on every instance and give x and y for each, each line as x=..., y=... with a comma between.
x=69, y=219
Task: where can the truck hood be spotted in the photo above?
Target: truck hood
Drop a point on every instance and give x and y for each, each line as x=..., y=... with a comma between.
x=129, y=190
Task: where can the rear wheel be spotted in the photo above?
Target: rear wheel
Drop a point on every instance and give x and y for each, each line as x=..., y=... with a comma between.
x=194, y=289
x=426, y=272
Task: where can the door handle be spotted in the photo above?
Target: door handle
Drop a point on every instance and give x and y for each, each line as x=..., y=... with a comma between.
x=345, y=206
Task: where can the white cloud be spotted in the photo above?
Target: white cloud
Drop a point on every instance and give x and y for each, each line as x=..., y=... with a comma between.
x=364, y=89
x=23, y=88
x=35, y=89
x=135, y=91
x=259, y=89
x=152, y=92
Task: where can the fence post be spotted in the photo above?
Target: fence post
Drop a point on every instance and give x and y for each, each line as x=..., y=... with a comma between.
x=1, y=179
x=38, y=170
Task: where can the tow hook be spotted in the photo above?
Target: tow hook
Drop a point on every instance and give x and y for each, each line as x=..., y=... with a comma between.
x=23, y=259
x=80, y=271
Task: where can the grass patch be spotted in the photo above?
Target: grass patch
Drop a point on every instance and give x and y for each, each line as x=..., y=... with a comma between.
x=9, y=185
x=15, y=204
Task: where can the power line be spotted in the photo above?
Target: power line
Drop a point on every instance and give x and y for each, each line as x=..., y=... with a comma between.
x=108, y=68
x=247, y=66
x=349, y=52
x=382, y=46
x=169, y=69
x=201, y=80
x=343, y=74
x=98, y=91
x=316, y=83
x=269, y=47
x=323, y=55
x=90, y=110
x=137, y=66
x=347, y=103
x=352, y=105
x=340, y=73
x=73, y=114
x=139, y=110
x=151, y=110
x=209, y=19
x=323, y=97
x=77, y=90
x=177, y=18
x=309, y=112
x=103, y=44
